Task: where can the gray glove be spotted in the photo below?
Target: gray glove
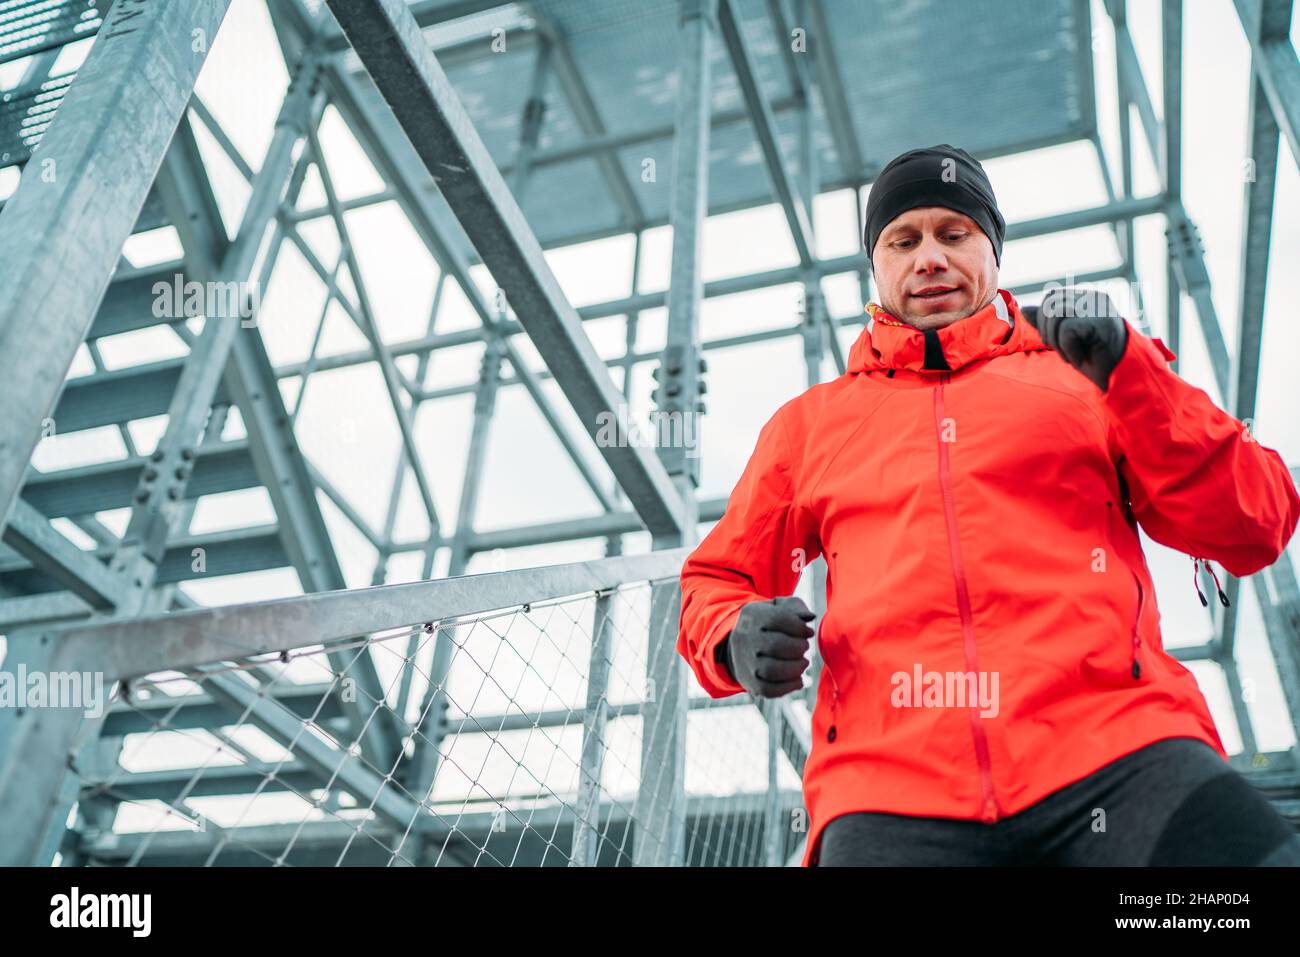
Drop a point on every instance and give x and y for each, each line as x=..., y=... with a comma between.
x=1084, y=327
x=766, y=651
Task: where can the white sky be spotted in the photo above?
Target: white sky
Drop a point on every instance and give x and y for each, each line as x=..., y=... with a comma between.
x=347, y=428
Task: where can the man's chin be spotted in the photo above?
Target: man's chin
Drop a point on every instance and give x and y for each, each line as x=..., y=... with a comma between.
x=937, y=319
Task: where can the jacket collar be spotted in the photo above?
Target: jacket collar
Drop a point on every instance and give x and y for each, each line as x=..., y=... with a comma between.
x=997, y=329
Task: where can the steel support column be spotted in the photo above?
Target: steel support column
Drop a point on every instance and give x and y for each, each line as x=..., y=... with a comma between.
x=1267, y=25
x=661, y=798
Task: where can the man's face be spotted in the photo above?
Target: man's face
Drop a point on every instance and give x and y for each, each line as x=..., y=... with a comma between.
x=934, y=248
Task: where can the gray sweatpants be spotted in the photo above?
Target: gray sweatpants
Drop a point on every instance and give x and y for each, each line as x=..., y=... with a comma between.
x=1171, y=803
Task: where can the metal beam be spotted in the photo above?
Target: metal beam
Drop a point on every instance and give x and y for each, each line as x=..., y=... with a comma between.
x=404, y=69
x=104, y=486
x=797, y=216
x=391, y=152
x=617, y=522
x=661, y=798
x=1279, y=600
x=427, y=758
x=583, y=107
x=1260, y=187
x=143, y=554
x=317, y=702
x=30, y=534
x=556, y=155
x=1187, y=263
x=1186, y=253
x=831, y=86
x=238, y=352
x=722, y=287
x=253, y=548
x=470, y=842
x=369, y=328
x=1267, y=25
x=128, y=304
x=371, y=786
x=427, y=13
x=1133, y=85
x=28, y=610
x=114, y=126
x=184, y=639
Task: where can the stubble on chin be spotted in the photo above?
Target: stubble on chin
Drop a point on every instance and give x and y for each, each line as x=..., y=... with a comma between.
x=936, y=320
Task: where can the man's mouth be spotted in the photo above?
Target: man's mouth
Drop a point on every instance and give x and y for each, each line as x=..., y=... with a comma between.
x=936, y=294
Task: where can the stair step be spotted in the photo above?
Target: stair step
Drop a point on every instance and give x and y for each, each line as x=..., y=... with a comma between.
x=220, y=467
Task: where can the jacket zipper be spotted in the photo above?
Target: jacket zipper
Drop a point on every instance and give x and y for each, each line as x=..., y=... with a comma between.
x=990, y=809
x=1137, y=624
x=826, y=669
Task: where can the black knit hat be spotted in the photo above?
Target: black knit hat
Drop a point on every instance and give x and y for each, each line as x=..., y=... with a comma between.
x=940, y=175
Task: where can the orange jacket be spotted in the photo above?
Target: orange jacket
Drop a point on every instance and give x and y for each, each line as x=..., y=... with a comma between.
x=984, y=519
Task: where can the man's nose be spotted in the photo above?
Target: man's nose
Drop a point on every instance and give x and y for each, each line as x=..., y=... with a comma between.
x=930, y=256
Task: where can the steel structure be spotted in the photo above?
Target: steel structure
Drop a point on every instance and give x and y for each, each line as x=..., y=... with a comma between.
x=761, y=108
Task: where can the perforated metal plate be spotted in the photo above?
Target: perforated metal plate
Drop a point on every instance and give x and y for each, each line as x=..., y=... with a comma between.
x=994, y=77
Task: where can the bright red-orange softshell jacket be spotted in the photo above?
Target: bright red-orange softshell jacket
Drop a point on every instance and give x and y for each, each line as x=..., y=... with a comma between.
x=984, y=519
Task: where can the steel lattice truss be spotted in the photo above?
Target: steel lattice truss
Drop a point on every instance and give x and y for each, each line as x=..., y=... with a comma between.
x=550, y=151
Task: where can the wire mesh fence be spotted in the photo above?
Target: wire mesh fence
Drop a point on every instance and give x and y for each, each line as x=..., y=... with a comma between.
x=516, y=736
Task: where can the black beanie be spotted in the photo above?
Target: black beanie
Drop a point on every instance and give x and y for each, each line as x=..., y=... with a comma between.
x=940, y=175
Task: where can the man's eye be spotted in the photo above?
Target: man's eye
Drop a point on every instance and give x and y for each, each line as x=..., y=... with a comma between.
x=901, y=241
x=956, y=235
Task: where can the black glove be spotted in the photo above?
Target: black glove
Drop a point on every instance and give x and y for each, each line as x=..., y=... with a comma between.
x=766, y=650
x=1084, y=327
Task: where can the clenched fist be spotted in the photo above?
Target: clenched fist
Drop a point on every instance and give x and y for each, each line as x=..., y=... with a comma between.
x=1084, y=326
x=766, y=650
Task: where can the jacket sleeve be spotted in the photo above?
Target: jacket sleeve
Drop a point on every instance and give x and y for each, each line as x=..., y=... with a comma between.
x=755, y=552
x=1198, y=480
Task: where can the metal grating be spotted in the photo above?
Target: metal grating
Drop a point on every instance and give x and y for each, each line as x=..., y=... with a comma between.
x=31, y=26
x=1033, y=63
x=1014, y=73
x=26, y=114
x=28, y=27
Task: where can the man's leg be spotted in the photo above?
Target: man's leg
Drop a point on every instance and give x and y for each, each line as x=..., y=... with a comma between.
x=877, y=839
x=1226, y=821
x=1174, y=802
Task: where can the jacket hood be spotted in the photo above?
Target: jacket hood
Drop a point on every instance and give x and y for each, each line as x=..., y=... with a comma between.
x=999, y=328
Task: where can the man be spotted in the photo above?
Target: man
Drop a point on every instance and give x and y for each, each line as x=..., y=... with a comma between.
x=996, y=689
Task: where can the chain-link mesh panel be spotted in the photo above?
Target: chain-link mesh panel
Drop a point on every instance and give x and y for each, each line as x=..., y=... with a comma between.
x=519, y=742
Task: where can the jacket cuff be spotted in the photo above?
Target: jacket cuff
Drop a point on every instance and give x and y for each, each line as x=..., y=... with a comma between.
x=719, y=672
x=722, y=655
x=1140, y=370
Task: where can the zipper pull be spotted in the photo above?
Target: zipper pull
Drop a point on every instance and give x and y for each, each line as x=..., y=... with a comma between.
x=1196, y=581
x=1222, y=597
